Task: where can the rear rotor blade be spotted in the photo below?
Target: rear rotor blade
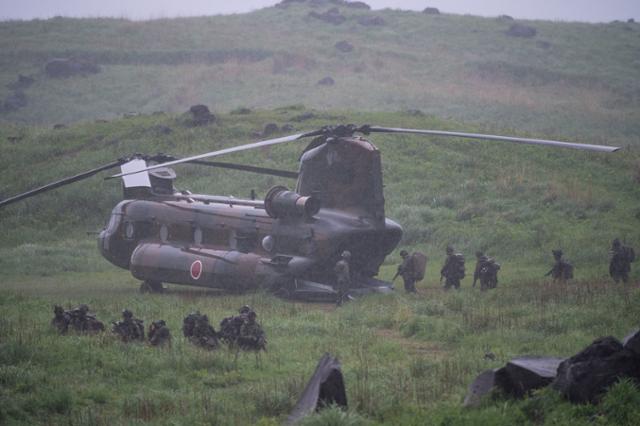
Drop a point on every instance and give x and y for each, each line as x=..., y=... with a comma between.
x=60, y=183
x=581, y=146
x=230, y=150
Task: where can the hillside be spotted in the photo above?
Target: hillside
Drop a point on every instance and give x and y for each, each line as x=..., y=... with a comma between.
x=571, y=79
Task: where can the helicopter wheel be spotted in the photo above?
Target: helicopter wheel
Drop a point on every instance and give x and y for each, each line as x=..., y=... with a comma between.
x=149, y=286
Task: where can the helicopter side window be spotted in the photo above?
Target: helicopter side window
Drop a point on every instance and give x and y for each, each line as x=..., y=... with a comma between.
x=129, y=230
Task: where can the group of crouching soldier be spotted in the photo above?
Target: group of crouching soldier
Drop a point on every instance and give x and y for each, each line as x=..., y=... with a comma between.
x=241, y=332
x=412, y=268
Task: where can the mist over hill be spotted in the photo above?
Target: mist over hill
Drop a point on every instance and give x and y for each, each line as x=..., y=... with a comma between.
x=574, y=80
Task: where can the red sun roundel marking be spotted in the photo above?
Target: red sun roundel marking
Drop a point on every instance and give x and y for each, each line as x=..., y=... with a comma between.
x=196, y=269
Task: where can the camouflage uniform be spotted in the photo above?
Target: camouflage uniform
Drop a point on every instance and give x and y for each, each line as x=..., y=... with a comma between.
x=129, y=329
x=252, y=337
x=159, y=334
x=60, y=320
x=83, y=322
x=562, y=270
x=453, y=269
x=204, y=335
x=407, y=271
x=486, y=271
x=343, y=277
x=620, y=264
x=189, y=323
x=230, y=326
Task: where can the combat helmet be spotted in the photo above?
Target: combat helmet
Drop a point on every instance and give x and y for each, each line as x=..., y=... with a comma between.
x=404, y=253
x=245, y=309
x=126, y=313
x=450, y=250
x=616, y=243
x=346, y=255
x=557, y=253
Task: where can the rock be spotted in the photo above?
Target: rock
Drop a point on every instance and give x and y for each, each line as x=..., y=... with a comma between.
x=241, y=111
x=632, y=342
x=325, y=388
x=200, y=116
x=270, y=129
x=522, y=375
x=543, y=44
x=414, y=112
x=586, y=376
x=520, y=30
x=431, y=11
x=331, y=16
x=58, y=126
x=23, y=82
x=327, y=81
x=371, y=21
x=344, y=46
x=631, y=21
x=505, y=18
x=69, y=67
x=303, y=117
x=356, y=5
x=481, y=386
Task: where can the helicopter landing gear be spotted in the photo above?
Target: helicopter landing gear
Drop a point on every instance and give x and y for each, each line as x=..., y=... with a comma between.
x=150, y=286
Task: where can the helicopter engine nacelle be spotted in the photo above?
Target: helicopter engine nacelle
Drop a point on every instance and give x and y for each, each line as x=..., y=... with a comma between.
x=280, y=202
x=229, y=270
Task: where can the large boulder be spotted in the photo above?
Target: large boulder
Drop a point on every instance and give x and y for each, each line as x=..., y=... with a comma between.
x=69, y=67
x=586, y=376
x=344, y=46
x=520, y=30
x=327, y=81
x=199, y=115
x=325, y=388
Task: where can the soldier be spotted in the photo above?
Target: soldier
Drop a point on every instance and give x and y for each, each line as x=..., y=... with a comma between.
x=620, y=264
x=407, y=270
x=60, y=320
x=129, y=328
x=562, y=270
x=486, y=271
x=343, y=277
x=453, y=269
x=204, y=335
x=189, y=323
x=159, y=334
x=230, y=326
x=252, y=337
x=83, y=322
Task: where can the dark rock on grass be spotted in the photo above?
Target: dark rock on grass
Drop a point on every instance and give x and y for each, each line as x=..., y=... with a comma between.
x=371, y=21
x=304, y=117
x=23, y=82
x=414, y=112
x=241, y=111
x=522, y=375
x=59, y=126
x=344, y=46
x=631, y=21
x=586, y=376
x=520, y=30
x=505, y=18
x=356, y=5
x=270, y=129
x=331, y=16
x=327, y=81
x=69, y=67
x=543, y=44
x=324, y=389
x=431, y=11
x=199, y=115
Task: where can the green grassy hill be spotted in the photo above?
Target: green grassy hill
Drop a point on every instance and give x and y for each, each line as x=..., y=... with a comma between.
x=573, y=79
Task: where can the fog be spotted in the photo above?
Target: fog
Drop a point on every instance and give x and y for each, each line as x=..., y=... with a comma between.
x=566, y=10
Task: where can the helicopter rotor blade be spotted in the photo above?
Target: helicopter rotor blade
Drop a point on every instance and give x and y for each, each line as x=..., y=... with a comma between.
x=246, y=168
x=229, y=150
x=61, y=182
x=580, y=146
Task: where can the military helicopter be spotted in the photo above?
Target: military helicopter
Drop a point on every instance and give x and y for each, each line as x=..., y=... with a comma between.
x=289, y=242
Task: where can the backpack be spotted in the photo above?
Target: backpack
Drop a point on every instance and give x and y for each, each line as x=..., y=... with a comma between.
x=419, y=262
x=629, y=254
x=458, y=265
x=567, y=270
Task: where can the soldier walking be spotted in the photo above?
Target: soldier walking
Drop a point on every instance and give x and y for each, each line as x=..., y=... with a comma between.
x=411, y=269
x=486, y=271
x=620, y=264
x=343, y=277
x=452, y=270
x=562, y=269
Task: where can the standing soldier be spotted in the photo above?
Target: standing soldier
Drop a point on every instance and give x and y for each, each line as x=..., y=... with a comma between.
x=453, y=269
x=411, y=269
x=486, y=271
x=343, y=277
x=621, y=258
x=562, y=270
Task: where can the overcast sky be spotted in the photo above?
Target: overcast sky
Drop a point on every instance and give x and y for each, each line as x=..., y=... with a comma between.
x=566, y=10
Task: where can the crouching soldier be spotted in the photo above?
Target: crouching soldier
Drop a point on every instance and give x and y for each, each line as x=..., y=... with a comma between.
x=562, y=269
x=620, y=264
x=453, y=269
x=84, y=322
x=60, y=320
x=202, y=334
x=129, y=328
x=486, y=271
x=159, y=334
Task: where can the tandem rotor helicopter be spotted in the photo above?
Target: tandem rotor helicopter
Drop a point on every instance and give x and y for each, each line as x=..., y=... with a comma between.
x=289, y=242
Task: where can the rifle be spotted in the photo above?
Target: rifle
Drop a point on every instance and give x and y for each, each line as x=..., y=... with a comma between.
x=395, y=276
